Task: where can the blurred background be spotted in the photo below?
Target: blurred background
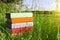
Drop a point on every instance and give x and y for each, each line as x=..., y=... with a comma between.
x=46, y=15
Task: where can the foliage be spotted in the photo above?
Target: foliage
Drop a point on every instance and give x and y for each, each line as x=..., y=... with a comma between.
x=45, y=25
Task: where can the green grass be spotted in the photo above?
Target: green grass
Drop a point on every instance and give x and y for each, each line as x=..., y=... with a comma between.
x=45, y=26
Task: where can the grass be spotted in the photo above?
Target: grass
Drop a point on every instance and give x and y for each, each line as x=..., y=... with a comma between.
x=46, y=26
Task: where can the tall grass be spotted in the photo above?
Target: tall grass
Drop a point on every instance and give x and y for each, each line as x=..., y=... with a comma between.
x=45, y=26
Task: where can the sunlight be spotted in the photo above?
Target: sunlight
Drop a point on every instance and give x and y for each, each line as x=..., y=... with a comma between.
x=59, y=7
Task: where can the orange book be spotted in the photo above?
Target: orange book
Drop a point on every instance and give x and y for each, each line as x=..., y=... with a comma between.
x=19, y=20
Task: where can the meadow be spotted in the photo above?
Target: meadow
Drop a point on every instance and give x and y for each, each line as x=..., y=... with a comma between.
x=46, y=26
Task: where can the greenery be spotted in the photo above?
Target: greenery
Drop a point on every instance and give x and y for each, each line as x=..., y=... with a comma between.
x=45, y=25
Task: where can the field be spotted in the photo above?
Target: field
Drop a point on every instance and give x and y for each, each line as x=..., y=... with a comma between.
x=46, y=26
